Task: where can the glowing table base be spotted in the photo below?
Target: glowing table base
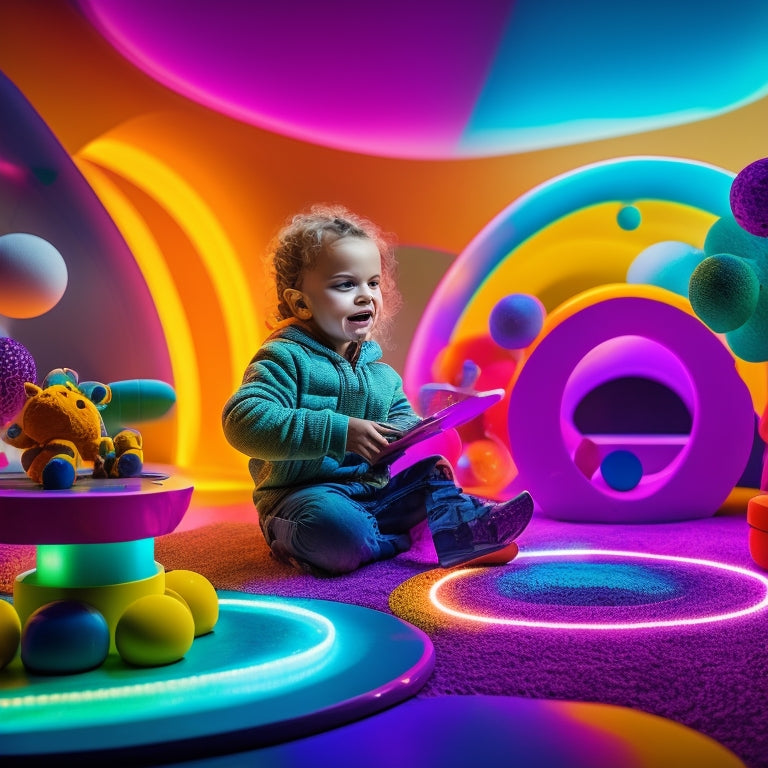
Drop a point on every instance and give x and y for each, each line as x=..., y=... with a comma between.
x=273, y=669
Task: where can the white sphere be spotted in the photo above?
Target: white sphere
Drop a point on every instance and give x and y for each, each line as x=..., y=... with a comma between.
x=33, y=275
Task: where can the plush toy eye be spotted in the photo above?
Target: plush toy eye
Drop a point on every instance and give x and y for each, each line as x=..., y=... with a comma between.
x=80, y=404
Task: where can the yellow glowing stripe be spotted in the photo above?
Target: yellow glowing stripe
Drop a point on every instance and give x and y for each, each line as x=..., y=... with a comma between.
x=201, y=226
x=167, y=302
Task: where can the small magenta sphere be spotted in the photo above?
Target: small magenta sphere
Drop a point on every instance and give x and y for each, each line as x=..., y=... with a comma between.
x=516, y=320
x=63, y=638
x=749, y=198
x=621, y=470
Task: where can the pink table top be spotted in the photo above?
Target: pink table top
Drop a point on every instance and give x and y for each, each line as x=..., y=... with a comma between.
x=92, y=511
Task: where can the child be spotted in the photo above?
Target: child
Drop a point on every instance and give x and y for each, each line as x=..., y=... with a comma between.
x=317, y=405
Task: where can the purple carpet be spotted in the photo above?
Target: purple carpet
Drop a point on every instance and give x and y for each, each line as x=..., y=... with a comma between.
x=710, y=676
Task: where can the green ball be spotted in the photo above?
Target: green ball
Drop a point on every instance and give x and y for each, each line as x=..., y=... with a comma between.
x=723, y=291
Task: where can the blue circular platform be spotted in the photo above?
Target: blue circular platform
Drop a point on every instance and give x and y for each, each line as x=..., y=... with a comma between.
x=273, y=669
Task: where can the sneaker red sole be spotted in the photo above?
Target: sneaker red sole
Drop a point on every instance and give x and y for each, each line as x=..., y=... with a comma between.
x=498, y=557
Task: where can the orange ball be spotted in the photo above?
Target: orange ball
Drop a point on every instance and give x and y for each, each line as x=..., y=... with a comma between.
x=490, y=462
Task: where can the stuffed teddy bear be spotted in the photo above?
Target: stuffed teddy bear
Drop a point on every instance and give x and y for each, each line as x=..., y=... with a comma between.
x=60, y=427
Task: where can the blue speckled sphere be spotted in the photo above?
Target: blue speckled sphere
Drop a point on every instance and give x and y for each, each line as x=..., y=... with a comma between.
x=516, y=320
x=63, y=638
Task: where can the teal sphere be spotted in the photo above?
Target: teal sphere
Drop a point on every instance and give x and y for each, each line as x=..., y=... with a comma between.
x=723, y=291
x=750, y=341
x=629, y=218
x=726, y=235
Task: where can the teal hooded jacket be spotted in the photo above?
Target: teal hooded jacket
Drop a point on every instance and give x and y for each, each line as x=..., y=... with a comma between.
x=291, y=412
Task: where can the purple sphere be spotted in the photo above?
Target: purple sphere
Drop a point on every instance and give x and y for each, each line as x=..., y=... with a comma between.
x=17, y=366
x=749, y=198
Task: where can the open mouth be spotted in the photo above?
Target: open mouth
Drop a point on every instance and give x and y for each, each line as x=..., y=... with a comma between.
x=361, y=317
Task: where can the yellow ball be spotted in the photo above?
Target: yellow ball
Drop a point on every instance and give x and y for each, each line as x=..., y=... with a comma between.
x=154, y=630
x=199, y=595
x=177, y=596
x=10, y=632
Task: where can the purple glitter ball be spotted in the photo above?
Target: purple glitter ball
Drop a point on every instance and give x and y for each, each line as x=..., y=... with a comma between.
x=17, y=366
x=749, y=198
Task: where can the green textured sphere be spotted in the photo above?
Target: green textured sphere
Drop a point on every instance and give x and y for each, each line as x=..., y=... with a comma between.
x=723, y=292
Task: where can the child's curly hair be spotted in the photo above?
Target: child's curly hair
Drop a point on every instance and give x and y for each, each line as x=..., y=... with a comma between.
x=298, y=244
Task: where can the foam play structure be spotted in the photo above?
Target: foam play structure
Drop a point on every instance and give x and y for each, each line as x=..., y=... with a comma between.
x=604, y=334
x=599, y=329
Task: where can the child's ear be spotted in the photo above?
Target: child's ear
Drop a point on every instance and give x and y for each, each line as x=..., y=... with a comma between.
x=296, y=302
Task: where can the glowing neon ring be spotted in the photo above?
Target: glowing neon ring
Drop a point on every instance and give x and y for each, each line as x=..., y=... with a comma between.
x=501, y=621
x=248, y=679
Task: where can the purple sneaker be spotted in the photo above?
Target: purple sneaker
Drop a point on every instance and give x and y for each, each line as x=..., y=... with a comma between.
x=489, y=538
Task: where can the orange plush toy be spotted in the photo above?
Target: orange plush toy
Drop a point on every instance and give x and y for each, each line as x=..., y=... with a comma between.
x=59, y=428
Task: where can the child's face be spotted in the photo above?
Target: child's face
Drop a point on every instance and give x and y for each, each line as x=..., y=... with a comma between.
x=342, y=292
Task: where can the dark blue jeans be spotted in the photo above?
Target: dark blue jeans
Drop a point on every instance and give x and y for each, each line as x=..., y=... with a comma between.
x=337, y=527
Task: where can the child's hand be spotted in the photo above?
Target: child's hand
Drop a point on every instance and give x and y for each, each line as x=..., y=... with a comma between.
x=368, y=438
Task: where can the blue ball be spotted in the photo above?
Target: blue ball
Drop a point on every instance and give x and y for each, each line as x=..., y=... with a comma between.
x=621, y=470
x=63, y=638
x=516, y=320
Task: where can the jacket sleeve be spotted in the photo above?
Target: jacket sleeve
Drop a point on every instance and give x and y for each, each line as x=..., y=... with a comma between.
x=263, y=420
x=401, y=413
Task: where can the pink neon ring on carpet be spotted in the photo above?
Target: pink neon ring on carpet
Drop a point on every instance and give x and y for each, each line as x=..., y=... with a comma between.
x=573, y=553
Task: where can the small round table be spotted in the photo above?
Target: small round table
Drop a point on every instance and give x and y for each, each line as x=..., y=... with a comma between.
x=95, y=541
